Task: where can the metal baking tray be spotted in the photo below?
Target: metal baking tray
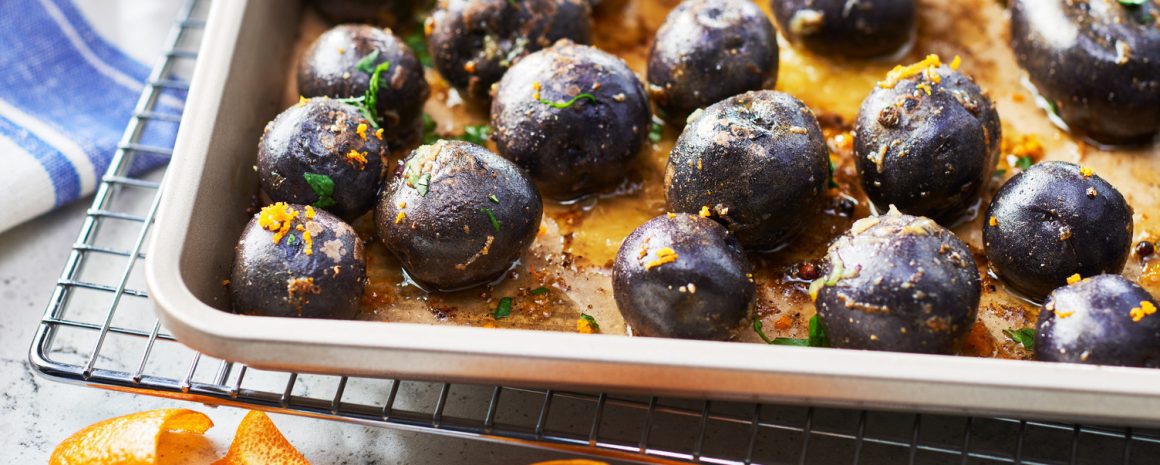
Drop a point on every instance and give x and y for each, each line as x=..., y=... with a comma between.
x=239, y=85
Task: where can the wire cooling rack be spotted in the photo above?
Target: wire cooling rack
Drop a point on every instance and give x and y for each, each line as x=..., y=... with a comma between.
x=99, y=330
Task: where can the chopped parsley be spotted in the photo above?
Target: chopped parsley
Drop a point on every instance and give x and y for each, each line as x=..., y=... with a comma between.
x=418, y=44
x=503, y=309
x=817, y=336
x=290, y=239
x=367, y=63
x=1025, y=336
x=415, y=178
x=656, y=130
x=591, y=321
x=491, y=216
x=830, y=180
x=323, y=187
x=493, y=199
x=1053, y=107
x=539, y=291
x=563, y=105
x=1024, y=162
x=477, y=135
x=371, y=98
x=999, y=173
x=1132, y=2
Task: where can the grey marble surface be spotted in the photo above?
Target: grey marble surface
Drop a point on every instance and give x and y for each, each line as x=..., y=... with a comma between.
x=36, y=414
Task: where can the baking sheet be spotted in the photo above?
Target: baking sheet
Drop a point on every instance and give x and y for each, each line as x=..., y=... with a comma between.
x=240, y=84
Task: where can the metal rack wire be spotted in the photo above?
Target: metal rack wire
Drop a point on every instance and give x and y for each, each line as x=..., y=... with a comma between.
x=99, y=330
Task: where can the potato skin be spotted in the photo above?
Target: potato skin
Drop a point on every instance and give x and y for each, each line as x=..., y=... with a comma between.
x=898, y=283
x=381, y=12
x=583, y=148
x=316, y=137
x=1099, y=66
x=708, y=50
x=928, y=155
x=474, y=42
x=703, y=294
x=329, y=68
x=445, y=238
x=758, y=162
x=862, y=29
x=280, y=279
x=1091, y=322
x=1050, y=222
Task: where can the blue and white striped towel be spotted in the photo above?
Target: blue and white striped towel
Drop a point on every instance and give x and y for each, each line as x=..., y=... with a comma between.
x=70, y=74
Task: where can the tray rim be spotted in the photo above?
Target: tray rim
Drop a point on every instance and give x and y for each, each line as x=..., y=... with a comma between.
x=721, y=370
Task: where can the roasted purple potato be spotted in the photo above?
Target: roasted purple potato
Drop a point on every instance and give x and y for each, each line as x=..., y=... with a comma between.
x=1097, y=63
x=1052, y=221
x=1102, y=320
x=474, y=42
x=756, y=162
x=847, y=28
x=573, y=117
x=682, y=276
x=708, y=50
x=458, y=215
x=927, y=143
x=341, y=63
x=313, y=153
x=898, y=283
x=297, y=261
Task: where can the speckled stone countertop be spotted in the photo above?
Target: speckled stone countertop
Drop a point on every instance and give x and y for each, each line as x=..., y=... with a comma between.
x=36, y=414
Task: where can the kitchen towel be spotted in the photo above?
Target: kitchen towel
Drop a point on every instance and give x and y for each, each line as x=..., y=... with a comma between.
x=71, y=72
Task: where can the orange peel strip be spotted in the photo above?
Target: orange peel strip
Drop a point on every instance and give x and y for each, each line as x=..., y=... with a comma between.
x=571, y=462
x=258, y=442
x=127, y=440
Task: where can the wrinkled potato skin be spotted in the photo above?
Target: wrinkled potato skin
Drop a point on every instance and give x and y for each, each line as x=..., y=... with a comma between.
x=1097, y=61
x=904, y=284
x=1091, y=322
x=581, y=149
x=658, y=302
x=314, y=137
x=757, y=161
x=444, y=239
x=852, y=29
x=267, y=277
x=1051, y=222
x=329, y=68
x=474, y=42
x=709, y=50
x=940, y=149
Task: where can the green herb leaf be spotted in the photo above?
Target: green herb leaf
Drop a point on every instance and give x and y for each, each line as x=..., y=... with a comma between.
x=360, y=104
x=1132, y=2
x=493, y=198
x=1024, y=162
x=371, y=98
x=503, y=309
x=656, y=130
x=418, y=44
x=477, y=135
x=817, y=333
x=491, y=216
x=429, y=135
x=415, y=178
x=1000, y=173
x=290, y=239
x=323, y=188
x=817, y=336
x=591, y=321
x=1025, y=336
x=563, y=105
x=832, y=184
x=1053, y=107
x=367, y=63
x=539, y=291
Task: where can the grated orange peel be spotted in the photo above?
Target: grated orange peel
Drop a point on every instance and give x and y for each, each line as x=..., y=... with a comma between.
x=128, y=440
x=258, y=442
